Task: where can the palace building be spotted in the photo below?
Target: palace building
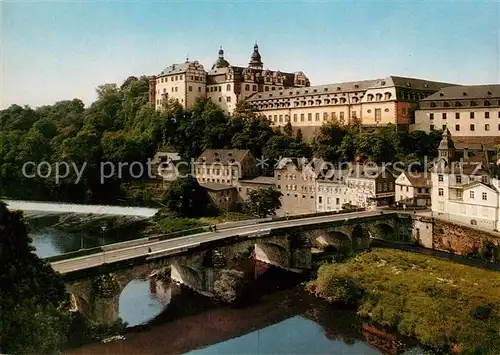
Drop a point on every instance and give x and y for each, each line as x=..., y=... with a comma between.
x=371, y=102
x=470, y=113
x=224, y=84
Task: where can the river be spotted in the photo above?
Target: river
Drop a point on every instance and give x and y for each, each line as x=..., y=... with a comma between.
x=277, y=316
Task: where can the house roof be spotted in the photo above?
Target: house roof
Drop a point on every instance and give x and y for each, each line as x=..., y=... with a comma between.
x=316, y=164
x=215, y=186
x=222, y=156
x=263, y=180
x=177, y=68
x=418, y=179
x=477, y=183
x=466, y=92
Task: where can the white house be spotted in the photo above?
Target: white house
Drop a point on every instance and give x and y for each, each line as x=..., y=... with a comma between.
x=463, y=192
x=414, y=188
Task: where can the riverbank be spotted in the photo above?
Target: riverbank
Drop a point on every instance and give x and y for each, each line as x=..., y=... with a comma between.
x=443, y=304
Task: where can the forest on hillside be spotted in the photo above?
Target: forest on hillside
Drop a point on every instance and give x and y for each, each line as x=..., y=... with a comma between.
x=120, y=126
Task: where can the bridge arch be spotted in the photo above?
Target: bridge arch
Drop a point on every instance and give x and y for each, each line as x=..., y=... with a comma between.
x=336, y=240
x=273, y=253
x=385, y=231
x=187, y=275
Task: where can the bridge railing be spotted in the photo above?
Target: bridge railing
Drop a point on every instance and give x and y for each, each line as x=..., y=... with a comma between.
x=73, y=254
x=311, y=215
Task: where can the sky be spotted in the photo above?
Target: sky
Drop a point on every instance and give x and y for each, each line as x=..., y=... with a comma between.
x=59, y=50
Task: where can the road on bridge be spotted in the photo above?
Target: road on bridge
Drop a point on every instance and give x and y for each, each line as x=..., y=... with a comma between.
x=172, y=246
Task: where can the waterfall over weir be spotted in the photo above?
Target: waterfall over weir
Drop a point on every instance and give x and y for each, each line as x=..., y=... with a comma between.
x=54, y=207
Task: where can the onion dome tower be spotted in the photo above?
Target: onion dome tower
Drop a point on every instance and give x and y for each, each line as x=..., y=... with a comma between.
x=221, y=62
x=255, y=59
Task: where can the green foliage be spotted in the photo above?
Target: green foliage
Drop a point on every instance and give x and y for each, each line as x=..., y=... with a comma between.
x=442, y=303
x=169, y=225
x=263, y=202
x=33, y=307
x=229, y=286
x=186, y=198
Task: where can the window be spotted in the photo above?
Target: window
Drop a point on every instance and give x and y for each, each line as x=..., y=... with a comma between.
x=228, y=99
x=485, y=196
x=176, y=89
x=457, y=115
x=325, y=116
x=342, y=115
x=254, y=88
x=459, y=193
x=302, y=117
x=320, y=199
x=247, y=87
x=458, y=179
x=471, y=195
x=190, y=88
x=378, y=115
x=472, y=115
x=444, y=127
x=486, y=115
x=281, y=118
x=353, y=114
x=431, y=116
x=431, y=127
x=441, y=191
x=220, y=99
x=444, y=115
x=337, y=201
x=309, y=117
x=457, y=127
x=486, y=127
x=484, y=179
x=228, y=87
x=294, y=117
x=199, y=88
x=317, y=116
x=440, y=178
x=472, y=128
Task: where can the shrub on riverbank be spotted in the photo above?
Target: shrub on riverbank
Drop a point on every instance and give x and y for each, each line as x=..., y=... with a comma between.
x=442, y=303
x=169, y=225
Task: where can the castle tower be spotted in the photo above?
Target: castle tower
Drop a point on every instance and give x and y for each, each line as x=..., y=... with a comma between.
x=446, y=148
x=255, y=59
x=221, y=62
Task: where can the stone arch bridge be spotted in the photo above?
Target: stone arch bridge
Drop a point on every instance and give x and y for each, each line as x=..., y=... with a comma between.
x=95, y=291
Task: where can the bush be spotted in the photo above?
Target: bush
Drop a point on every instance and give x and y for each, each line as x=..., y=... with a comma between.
x=170, y=225
x=334, y=285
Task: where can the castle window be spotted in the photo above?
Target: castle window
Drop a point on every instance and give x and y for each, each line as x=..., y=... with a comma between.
x=369, y=97
x=190, y=88
x=444, y=115
x=471, y=195
x=309, y=116
x=266, y=88
x=457, y=115
x=485, y=196
x=228, y=99
x=486, y=115
x=254, y=88
x=317, y=116
x=472, y=115
x=294, y=117
x=486, y=127
x=440, y=178
x=273, y=88
x=387, y=96
x=458, y=104
x=446, y=104
x=433, y=104
x=325, y=116
x=199, y=88
x=379, y=97
x=247, y=87
x=441, y=191
x=487, y=103
x=457, y=127
x=228, y=87
x=473, y=103
x=302, y=117
x=472, y=128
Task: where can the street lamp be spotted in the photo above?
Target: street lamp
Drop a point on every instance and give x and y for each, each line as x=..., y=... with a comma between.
x=103, y=228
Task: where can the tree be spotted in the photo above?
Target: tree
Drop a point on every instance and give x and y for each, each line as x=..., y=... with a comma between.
x=186, y=198
x=263, y=202
x=33, y=298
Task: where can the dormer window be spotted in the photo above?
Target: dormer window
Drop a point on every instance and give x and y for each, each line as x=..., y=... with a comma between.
x=338, y=88
x=326, y=89
x=464, y=93
x=487, y=103
x=426, y=85
x=408, y=84
x=356, y=86
x=441, y=94
x=489, y=93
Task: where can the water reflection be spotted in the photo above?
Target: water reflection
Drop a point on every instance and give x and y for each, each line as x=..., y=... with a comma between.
x=142, y=300
x=295, y=335
x=54, y=235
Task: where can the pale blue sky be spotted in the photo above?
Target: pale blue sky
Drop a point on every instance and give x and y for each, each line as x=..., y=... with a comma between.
x=60, y=50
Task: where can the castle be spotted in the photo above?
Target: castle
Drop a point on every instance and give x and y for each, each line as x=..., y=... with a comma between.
x=224, y=84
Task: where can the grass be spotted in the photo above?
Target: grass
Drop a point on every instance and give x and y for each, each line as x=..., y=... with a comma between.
x=443, y=304
x=169, y=224
x=226, y=217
